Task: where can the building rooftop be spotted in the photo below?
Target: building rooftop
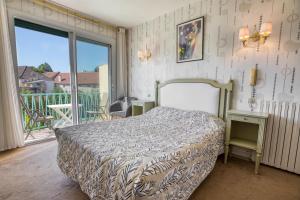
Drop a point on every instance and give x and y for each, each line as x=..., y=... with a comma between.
x=27, y=73
x=83, y=78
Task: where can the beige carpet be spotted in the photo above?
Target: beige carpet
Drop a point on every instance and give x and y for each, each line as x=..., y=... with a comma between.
x=31, y=173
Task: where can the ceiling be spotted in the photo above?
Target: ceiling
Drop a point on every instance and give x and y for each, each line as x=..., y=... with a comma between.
x=125, y=13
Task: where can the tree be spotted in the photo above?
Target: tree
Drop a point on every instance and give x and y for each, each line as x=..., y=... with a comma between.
x=96, y=69
x=45, y=67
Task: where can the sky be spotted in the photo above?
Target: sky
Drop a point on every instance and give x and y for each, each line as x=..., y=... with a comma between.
x=35, y=48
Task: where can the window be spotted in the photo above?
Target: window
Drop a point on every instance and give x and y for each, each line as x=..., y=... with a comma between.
x=47, y=78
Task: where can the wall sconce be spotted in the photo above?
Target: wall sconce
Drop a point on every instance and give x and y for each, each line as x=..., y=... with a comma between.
x=144, y=54
x=252, y=82
x=253, y=76
x=257, y=36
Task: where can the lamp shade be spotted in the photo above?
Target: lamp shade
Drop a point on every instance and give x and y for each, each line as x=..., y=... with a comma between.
x=266, y=29
x=244, y=33
x=147, y=53
x=144, y=54
x=141, y=55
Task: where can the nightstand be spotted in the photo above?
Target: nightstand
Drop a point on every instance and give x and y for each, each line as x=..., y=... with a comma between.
x=140, y=107
x=246, y=129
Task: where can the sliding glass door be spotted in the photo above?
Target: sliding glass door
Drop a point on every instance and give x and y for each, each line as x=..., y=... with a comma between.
x=92, y=79
x=63, y=79
x=43, y=67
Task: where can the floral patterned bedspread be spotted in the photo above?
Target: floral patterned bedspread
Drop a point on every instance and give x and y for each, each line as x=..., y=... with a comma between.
x=163, y=154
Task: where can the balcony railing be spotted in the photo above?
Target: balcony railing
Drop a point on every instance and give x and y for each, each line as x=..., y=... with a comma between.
x=87, y=100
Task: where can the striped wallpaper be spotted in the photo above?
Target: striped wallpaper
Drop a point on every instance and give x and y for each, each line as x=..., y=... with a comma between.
x=278, y=62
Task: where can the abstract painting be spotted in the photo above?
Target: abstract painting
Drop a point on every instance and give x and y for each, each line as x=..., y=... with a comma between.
x=190, y=40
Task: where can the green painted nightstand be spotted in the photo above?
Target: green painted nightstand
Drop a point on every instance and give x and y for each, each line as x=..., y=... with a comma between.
x=140, y=107
x=246, y=129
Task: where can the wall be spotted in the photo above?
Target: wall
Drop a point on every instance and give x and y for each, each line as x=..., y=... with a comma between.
x=29, y=7
x=278, y=62
x=103, y=79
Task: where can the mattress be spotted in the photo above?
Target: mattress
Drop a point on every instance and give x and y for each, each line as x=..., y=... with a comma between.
x=163, y=154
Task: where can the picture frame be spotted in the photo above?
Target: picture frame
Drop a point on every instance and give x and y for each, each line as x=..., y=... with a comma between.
x=190, y=40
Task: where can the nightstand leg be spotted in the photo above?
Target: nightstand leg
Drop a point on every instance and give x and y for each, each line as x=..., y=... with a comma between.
x=257, y=162
x=226, y=153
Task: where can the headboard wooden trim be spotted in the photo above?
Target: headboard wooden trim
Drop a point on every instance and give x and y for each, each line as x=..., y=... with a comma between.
x=225, y=92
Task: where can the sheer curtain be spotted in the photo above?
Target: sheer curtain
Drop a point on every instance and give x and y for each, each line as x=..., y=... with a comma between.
x=11, y=132
x=121, y=62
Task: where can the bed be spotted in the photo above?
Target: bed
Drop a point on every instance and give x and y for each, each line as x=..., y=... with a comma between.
x=163, y=154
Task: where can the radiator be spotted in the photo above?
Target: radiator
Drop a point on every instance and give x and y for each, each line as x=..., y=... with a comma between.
x=282, y=138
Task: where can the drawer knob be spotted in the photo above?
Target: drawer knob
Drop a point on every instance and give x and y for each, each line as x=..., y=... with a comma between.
x=245, y=118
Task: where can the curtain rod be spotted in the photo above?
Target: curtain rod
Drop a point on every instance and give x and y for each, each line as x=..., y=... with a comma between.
x=63, y=9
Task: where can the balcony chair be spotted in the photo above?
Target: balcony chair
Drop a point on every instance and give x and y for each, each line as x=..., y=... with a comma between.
x=35, y=116
x=121, y=108
x=101, y=110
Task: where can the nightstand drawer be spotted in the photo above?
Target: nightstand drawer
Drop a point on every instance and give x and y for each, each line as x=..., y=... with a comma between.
x=244, y=119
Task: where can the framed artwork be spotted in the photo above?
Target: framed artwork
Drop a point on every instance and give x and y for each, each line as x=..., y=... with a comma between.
x=190, y=40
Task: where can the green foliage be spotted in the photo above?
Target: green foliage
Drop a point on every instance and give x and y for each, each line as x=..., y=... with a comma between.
x=36, y=70
x=45, y=67
x=57, y=89
x=25, y=91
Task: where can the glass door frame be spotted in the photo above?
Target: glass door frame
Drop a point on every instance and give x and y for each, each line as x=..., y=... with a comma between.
x=72, y=35
x=73, y=60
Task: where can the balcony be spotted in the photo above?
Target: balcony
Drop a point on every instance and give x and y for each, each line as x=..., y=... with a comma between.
x=45, y=104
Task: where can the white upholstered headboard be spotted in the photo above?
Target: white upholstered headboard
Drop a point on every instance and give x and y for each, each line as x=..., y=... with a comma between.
x=195, y=94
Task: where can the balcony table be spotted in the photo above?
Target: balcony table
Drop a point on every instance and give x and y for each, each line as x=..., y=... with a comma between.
x=65, y=112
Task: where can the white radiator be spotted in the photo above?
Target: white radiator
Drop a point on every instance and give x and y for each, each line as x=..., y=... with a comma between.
x=282, y=138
